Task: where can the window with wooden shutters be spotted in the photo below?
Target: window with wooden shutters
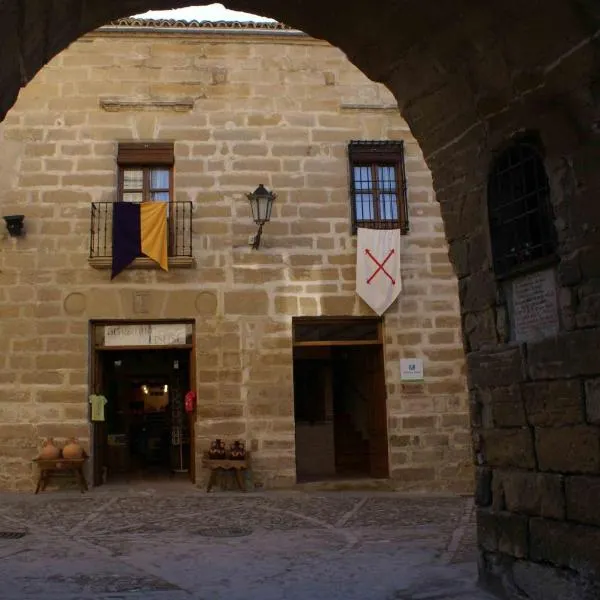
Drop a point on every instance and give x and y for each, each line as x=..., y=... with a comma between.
x=145, y=172
x=378, y=185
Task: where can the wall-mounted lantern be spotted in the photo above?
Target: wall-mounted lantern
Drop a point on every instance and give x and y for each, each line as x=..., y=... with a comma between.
x=14, y=225
x=261, y=203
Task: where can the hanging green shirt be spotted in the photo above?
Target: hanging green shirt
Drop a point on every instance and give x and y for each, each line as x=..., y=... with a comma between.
x=98, y=402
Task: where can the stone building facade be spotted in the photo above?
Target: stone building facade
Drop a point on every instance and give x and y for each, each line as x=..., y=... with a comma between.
x=240, y=106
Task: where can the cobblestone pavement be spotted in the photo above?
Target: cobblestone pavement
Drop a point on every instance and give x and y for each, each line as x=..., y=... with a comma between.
x=165, y=544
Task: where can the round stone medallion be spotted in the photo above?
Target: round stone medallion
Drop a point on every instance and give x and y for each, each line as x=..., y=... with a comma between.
x=206, y=303
x=75, y=303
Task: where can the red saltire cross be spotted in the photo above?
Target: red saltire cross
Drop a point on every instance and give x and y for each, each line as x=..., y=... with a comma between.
x=380, y=265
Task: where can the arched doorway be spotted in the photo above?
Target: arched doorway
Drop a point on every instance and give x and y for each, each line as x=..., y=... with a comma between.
x=467, y=78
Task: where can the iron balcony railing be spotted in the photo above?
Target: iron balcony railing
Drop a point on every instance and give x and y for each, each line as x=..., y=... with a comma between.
x=179, y=228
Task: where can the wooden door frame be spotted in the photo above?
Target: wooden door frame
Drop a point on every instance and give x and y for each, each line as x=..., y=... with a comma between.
x=95, y=377
x=378, y=350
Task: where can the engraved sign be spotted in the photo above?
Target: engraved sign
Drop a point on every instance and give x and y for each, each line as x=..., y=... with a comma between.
x=135, y=334
x=168, y=334
x=145, y=334
x=535, y=306
x=140, y=302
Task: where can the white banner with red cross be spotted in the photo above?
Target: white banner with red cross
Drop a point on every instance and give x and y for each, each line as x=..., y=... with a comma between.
x=378, y=276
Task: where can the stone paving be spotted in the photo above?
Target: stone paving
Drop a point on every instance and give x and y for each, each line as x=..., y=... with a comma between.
x=176, y=544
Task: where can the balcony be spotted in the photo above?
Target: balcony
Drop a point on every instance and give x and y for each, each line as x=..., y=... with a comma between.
x=180, y=237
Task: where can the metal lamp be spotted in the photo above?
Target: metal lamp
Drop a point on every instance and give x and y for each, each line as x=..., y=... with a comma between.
x=14, y=225
x=261, y=203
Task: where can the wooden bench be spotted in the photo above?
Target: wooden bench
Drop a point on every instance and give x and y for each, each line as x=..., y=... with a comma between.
x=220, y=467
x=49, y=467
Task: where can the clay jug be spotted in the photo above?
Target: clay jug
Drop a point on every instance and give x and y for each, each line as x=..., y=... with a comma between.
x=49, y=450
x=72, y=450
x=237, y=451
x=217, y=450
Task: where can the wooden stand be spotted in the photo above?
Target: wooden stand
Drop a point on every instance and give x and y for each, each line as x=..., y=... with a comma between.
x=220, y=466
x=49, y=467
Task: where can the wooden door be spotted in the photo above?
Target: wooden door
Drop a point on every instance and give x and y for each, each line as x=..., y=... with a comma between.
x=191, y=386
x=367, y=374
x=98, y=428
x=181, y=381
x=378, y=417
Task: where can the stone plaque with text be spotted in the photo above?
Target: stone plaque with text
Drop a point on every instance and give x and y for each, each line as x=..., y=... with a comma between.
x=535, y=306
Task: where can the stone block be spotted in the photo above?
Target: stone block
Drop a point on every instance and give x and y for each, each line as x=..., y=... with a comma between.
x=546, y=359
x=508, y=414
x=479, y=329
x=536, y=494
x=63, y=431
x=565, y=544
x=420, y=422
x=497, y=368
x=553, y=403
x=502, y=532
x=414, y=474
x=483, y=486
x=246, y=303
x=544, y=582
x=337, y=305
x=592, y=400
x=220, y=411
x=400, y=441
x=505, y=406
x=509, y=448
x=583, y=499
x=221, y=429
x=568, y=449
x=477, y=292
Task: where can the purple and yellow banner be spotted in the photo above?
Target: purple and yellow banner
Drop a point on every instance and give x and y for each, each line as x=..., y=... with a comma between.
x=139, y=229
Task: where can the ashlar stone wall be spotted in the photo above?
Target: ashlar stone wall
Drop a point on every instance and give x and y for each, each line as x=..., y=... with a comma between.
x=241, y=109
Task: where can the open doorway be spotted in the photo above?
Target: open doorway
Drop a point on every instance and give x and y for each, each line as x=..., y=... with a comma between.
x=340, y=410
x=146, y=433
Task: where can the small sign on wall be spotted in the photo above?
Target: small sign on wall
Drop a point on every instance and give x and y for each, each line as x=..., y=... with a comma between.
x=411, y=369
x=535, y=306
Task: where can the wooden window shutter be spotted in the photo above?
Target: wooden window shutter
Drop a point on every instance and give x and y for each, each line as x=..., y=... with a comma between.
x=150, y=153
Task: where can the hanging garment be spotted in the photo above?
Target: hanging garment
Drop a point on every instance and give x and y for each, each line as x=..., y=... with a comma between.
x=98, y=403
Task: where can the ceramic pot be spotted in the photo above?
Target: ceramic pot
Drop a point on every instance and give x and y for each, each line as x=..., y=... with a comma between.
x=217, y=450
x=49, y=450
x=237, y=451
x=72, y=450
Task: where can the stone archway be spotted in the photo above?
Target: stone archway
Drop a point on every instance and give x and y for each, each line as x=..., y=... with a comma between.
x=469, y=75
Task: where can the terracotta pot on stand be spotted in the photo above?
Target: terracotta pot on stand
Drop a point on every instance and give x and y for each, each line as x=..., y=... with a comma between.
x=72, y=450
x=237, y=451
x=49, y=451
x=217, y=450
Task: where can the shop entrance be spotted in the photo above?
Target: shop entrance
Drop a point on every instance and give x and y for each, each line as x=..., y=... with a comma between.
x=146, y=433
x=340, y=399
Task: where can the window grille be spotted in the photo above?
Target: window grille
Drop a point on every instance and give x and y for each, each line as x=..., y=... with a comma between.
x=520, y=215
x=378, y=185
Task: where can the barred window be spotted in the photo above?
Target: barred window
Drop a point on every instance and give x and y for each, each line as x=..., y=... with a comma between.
x=520, y=215
x=378, y=185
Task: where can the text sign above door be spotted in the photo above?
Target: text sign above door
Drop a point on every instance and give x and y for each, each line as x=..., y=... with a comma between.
x=167, y=334
x=145, y=334
x=127, y=335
